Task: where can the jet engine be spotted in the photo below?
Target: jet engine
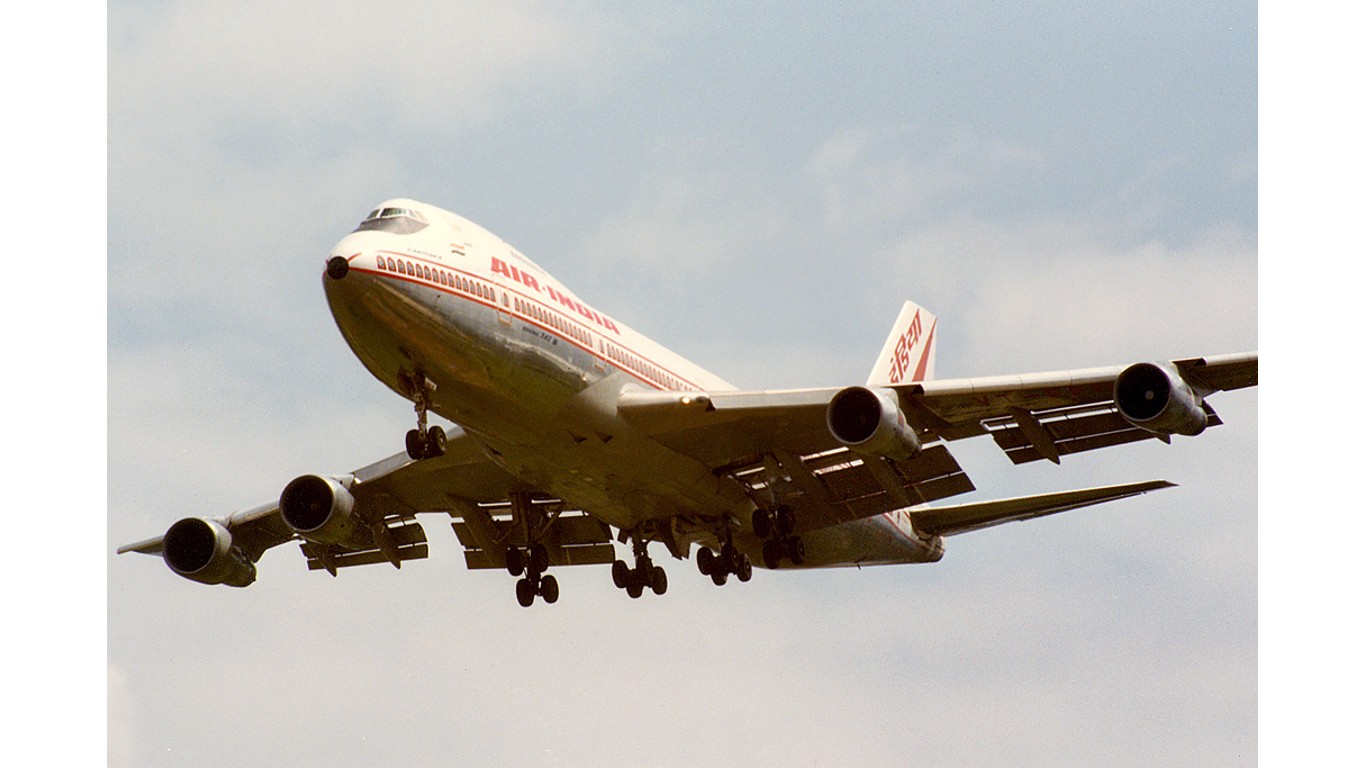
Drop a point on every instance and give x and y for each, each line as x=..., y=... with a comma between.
x=321, y=510
x=870, y=421
x=201, y=550
x=1156, y=398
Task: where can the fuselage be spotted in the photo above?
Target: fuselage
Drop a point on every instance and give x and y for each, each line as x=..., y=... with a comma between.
x=533, y=374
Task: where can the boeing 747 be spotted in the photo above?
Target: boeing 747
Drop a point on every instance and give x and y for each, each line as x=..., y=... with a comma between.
x=574, y=430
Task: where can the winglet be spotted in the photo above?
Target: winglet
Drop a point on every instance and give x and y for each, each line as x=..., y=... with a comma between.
x=908, y=353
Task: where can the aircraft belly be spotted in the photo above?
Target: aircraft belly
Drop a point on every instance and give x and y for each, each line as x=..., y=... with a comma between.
x=620, y=477
x=871, y=541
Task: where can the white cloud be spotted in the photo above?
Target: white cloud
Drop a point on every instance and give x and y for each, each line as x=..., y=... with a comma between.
x=289, y=66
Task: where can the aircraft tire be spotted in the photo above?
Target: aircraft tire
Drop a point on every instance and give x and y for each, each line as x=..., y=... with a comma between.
x=526, y=592
x=706, y=561
x=621, y=575
x=718, y=577
x=659, y=580
x=730, y=558
x=540, y=558
x=516, y=563
x=436, y=442
x=745, y=571
x=762, y=522
x=416, y=445
x=786, y=520
x=550, y=589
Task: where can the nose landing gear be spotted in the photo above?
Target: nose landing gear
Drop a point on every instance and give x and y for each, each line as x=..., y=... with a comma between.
x=423, y=442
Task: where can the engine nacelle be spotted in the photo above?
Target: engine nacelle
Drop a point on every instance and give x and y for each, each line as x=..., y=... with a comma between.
x=870, y=421
x=321, y=510
x=1156, y=398
x=201, y=550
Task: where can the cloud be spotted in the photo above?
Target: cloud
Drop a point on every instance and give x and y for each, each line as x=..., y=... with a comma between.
x=292, y=66
x=871, y=219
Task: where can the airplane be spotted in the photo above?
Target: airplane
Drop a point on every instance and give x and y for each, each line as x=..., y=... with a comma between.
x=573, y=429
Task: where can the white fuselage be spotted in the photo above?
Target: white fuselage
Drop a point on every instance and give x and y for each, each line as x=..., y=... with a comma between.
x=533, y=374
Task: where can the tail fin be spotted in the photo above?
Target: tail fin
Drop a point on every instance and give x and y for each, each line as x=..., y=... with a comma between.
x=908, y=354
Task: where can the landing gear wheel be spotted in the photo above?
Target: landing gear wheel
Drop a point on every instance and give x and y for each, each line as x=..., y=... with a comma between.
x=745, y=571
x=436, y=443
x=540, y=558
x=786, y=520
x=635, y=588
x=416, y=445
x=763, y=524
x=621, y=575
x=659, y=580
x=706, y=561
x=550, y=589
x=718, y=577
x=526, y=592
x=516, y=562
x=796, y=550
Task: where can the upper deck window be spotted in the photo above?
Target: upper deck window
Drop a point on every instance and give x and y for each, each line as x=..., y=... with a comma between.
x=398, y=221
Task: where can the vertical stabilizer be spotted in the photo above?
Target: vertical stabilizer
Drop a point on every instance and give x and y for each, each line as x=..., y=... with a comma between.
x=908, y=354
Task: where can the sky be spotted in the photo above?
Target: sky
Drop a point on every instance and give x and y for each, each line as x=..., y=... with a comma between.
x=758, y=188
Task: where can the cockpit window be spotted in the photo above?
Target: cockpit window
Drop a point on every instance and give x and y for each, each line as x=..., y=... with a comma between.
x=398, y=221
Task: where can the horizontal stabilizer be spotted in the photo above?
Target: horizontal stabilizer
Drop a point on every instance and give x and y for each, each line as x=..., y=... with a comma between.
x=961, y=518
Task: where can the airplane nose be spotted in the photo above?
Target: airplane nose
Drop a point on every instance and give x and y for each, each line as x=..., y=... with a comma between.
x=337, y=267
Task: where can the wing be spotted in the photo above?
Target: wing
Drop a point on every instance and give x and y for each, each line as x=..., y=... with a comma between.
x=1050, y=415
x=371, y=518
x=780, y=443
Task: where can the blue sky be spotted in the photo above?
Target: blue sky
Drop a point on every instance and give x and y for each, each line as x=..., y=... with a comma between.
x=1064, y=186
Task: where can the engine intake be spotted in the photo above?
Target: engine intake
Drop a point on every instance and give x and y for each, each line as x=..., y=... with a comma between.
x=870, y=421
x=1156, y=398
x=201, y=550
x=320, y=509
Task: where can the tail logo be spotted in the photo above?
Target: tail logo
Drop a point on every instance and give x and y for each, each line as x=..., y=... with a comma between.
x=901, y=354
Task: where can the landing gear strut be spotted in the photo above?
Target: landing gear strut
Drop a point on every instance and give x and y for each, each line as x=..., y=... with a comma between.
x=644, y=574
x=776, y=529
x=423, y=442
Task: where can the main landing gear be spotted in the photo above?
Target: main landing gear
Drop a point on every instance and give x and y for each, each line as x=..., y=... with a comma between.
x=720, y=566
x=423, y=442
x=535, y=558
x=533, y=562
x=776, y=529
x=644, y=574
